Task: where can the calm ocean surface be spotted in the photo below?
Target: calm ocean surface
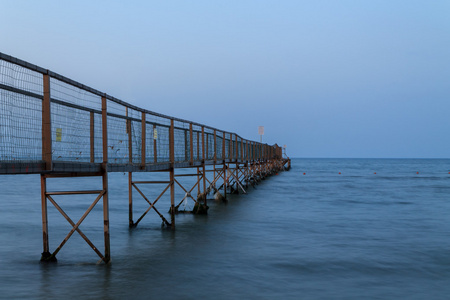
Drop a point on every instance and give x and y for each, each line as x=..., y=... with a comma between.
x=322, y=235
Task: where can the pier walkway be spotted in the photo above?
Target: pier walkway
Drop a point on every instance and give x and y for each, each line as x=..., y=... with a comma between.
x=56, y=127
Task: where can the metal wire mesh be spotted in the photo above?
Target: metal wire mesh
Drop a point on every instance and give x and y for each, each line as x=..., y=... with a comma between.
x=246, y=156
x=181, y=144
x=135, y=124
x=74, y=95
x=227, y=146
x=98, y=138
x=162, y=143
x=181, y=141
x=117, y=140
x=70, y=133
x=239, y=148
x=196, y=142
x=136, y=142
x=209, y=142
x=20, y=127
x=150, y=143
x=21, y=78
x=219, y=146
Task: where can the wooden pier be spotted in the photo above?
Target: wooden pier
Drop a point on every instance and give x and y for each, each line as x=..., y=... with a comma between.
x=58, y=128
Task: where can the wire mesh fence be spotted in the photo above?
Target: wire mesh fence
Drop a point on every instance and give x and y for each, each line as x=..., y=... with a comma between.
x=79, y=114
x=19, y=77
x=20, y=123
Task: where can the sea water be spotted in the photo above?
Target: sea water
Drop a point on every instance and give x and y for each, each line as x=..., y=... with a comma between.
x=327, y=229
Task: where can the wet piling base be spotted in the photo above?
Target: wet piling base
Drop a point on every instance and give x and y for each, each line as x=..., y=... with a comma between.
x=200, y=209
x=47, y=257
x=219, y=197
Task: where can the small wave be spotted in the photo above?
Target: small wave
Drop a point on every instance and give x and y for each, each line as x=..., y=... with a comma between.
x=368, y=202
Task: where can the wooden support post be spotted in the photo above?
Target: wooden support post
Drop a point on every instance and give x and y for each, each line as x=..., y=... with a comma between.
x=46, y=125
x=247, y=151
x=198, y=145
x=198, y=180
x=215, y=158
x=143, y=138
x=206, y=156
x=264, y=151
x=130, y=199
x=237, y=162
x=256, y=151
x=105, y=181
x=104, y=133
x=215, y=150
x=203, y=162
x=92, y=137
x=223, y=148
x=242, y=150
x=106, y=217
x=155, y=146
x=214, y=174
x=172, y=173
x=46, y=255
x=259, y=152
x=191, y=141
x=225, y=180
x=186, y=146
x=246, y=163
x=225, y=168
x=130, y=139
x=130, y=174
x=236, y=147
x=230, y=148
x=264, y=148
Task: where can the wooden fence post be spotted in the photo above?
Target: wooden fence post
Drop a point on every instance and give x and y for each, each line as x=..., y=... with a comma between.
x=46, y=125
x=144, y=138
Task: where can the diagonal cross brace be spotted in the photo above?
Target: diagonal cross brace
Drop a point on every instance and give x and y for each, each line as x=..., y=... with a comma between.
x=188, y=194
x=237, y=182
x=152, y=205
x=76, y=226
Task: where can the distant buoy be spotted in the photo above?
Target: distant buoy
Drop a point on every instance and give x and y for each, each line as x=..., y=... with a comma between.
x=417, y=172
x=305, y=173
x=374, y=172
x=339, y=173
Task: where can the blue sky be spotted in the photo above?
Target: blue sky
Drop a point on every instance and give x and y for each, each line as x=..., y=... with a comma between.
x=326, y=78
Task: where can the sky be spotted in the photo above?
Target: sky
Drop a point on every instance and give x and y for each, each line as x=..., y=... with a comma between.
x=326, y=78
